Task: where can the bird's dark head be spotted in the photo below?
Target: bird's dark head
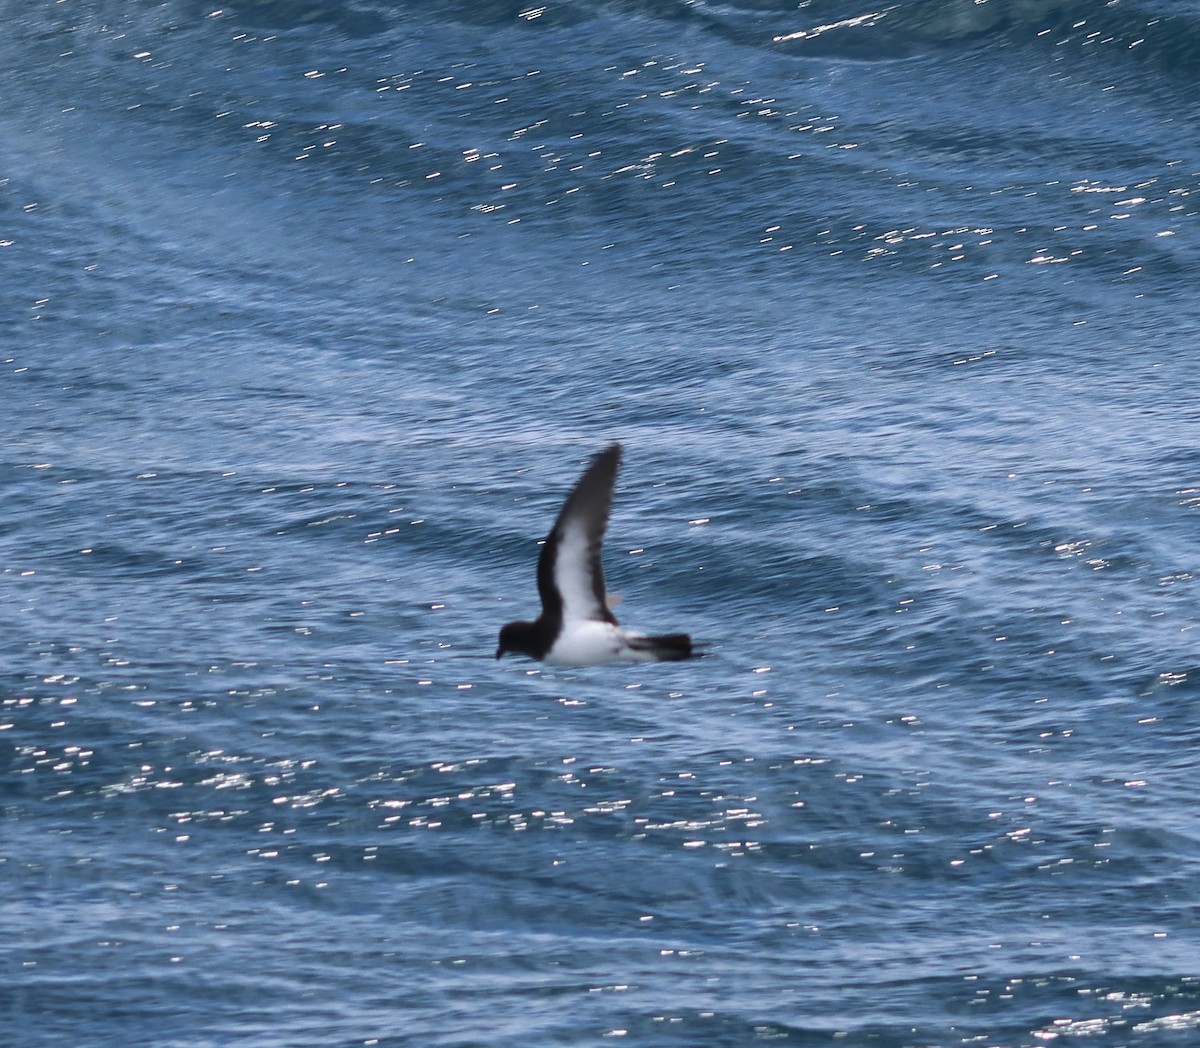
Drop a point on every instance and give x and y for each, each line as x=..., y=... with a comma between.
x=518, y=637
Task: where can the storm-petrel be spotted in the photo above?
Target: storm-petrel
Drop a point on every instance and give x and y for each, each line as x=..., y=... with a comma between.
x=576, y=626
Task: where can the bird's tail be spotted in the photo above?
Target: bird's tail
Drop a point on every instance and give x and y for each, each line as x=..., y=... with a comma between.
x=665, y=647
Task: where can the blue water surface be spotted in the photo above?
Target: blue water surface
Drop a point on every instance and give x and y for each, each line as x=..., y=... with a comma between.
x=311, y=315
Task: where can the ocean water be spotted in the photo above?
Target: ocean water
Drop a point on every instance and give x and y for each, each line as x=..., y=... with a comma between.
x=311, y=315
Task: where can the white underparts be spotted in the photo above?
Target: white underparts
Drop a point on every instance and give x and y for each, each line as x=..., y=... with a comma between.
x=591, y=643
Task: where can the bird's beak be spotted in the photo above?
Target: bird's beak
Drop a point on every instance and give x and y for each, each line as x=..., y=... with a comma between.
x=499, y=652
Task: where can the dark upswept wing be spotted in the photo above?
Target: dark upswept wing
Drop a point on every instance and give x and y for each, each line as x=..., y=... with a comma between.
x=570, y=578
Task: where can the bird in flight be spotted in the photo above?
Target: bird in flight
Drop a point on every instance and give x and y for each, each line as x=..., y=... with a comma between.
x=577, y=626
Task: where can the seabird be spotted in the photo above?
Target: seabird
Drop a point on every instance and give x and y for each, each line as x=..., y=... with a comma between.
x=577, y=626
